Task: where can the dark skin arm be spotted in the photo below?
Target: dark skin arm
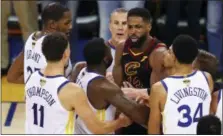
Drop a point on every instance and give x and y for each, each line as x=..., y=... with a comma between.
x=117, y=72
x=76, y=70
x=156, y=62
x=16, y=71
x=112, y=94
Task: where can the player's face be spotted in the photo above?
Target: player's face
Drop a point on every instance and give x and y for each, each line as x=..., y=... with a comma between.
x=137, y=28
x=108, y=58
x=118, y=26
x=65, y=23
x=169, y=58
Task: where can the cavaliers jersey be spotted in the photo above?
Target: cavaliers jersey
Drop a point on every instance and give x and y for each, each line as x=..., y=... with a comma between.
x=219, y=108
x=44, y=112
x=112, y=47
x=83, y=79
x=188, y=99
x=136, y=67
x=34, y=59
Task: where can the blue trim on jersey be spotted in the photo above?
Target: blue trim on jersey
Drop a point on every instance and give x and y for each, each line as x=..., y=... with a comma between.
x=62, y=85
x=219, y=95
x=164, y=85
x=28, y=79
x=92, y=72
x=10, y=115
x=205, y=76
x=50, y=76
x=183, y=76
x=94, y=79
x=111, y=46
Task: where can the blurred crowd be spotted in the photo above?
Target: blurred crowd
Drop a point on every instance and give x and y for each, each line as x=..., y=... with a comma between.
x=27, y=13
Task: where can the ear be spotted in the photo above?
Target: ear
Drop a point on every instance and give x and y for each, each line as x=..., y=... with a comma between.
x=149, y=27
x=52, y=24
x=110, y=26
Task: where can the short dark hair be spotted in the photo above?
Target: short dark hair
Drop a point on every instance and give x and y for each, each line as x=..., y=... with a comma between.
x=53, y=11
x=54, y=45
x=95, y=51
x=118, y=10
x=207, y=62
x=209, y=124
x=140, y=12
x=185, y=49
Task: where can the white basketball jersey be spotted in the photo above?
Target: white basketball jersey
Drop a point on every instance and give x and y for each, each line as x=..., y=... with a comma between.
x=44, y=112
x=219, y=108
x=109, y=69
x=83, y=79
x=34, y=59
x=188, y=99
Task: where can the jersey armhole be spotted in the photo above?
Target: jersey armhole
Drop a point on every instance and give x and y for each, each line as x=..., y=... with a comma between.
x=205, y=77
x=219, y=95
x=62, y=85
x=28, y=79
x=164, y=85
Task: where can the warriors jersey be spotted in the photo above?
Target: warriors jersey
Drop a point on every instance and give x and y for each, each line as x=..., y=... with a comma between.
x=84, y=79
x=188, y=99
x=219, y=108
x=44, y=112
x=136, y=67
x=34, y=59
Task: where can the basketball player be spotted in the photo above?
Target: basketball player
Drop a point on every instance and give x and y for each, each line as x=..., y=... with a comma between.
x=56, y=18
x=205, y=61
x=51, y=99
x=104, y=96
x=118, y=29
x=183, y=97
x=139, y=60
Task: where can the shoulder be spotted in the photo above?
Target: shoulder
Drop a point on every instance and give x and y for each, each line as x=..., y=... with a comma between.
x=103, y=86
x=71, y=89
x=158, y=88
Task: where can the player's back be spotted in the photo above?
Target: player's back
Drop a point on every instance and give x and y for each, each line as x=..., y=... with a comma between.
x=44, y=112
x=33, y=57
x=188, y=99
x=84, y=79
x=219, y=108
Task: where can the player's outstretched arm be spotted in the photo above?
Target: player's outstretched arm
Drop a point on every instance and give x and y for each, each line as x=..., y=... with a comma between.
x=117, y=71
x=214, y=103
x=74, y=98
x=156, y=61
x=76, y=70
x=113, y=95
x=156, y=104
x=214, y=100
x=16, y=71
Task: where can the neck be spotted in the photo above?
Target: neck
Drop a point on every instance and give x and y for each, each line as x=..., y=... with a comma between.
x=46, y=30
x=183, y=69
x=53, y=69
x=170, y=71
x=100, y=69
x=113, y=42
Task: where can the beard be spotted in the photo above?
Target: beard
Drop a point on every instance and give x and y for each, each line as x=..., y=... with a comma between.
x=139, y=42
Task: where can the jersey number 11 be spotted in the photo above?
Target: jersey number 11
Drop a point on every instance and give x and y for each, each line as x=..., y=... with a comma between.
x=35, y=113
